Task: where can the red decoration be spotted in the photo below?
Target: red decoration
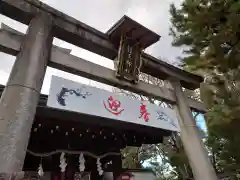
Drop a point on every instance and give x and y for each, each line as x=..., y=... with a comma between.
x=126, y=176
x=113, y=106
x=143, y=112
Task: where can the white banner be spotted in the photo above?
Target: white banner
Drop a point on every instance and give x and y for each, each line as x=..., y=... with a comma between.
x=72, y=96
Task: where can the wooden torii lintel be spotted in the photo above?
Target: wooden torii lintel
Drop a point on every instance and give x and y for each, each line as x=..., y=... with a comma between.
x=10, y=42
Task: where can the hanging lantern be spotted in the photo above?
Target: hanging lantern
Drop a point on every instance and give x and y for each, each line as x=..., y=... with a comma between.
x=81, y=163
x=63, y=163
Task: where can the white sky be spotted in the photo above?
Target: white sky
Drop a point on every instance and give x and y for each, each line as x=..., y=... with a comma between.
x=102, y=14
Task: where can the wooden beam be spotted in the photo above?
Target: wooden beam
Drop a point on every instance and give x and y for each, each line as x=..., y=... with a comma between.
x=65, y=27
x=16, y=34
x=10, y=42
x=84, y=36
x=163, y=70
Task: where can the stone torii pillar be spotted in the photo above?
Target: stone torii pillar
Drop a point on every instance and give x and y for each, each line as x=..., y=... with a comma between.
x=190, y=136
x=21, y=94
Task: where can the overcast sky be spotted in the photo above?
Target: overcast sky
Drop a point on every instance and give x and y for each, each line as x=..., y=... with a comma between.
x=102, y=14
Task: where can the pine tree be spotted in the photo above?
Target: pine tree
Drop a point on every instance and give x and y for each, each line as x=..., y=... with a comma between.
x=209, y=30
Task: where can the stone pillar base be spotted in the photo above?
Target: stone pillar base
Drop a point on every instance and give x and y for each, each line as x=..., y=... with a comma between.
x=12, y=176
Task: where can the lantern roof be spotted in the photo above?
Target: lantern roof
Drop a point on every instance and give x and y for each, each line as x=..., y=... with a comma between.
x=144, y=36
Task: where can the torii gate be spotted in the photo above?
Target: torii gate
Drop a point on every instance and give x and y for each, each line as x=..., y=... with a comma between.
x=34, y=53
